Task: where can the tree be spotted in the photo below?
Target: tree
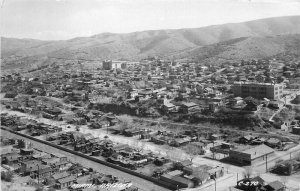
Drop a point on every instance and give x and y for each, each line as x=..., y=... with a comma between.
x=30, y=145
x=175, y=155
x=177, y=166
x=248, y=172
x=39, y=188
x=192, y=151
x=290, y=168
x=125, y=122
x=49, y=181
x=284, y=180
x=7, y=176
x=200, y=176
x=140, y=145
x=286, y=115
x=51, y=189
x=21, y=143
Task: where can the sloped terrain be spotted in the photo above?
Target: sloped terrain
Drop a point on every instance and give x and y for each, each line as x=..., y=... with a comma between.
x=245, y=48
x=228, y=41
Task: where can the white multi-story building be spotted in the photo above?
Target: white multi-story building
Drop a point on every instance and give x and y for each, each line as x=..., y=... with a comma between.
x=258, y=90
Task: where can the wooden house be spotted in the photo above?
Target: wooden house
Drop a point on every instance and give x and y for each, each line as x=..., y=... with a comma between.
x=65, y=182
x=10, y=158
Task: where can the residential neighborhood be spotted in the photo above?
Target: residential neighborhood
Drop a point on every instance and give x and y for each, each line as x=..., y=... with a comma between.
x=156, y=95
x=156, y=103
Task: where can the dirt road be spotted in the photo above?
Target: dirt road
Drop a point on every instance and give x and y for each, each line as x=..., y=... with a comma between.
x=142, y=184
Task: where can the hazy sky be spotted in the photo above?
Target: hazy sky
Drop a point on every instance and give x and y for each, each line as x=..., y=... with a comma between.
x=64, y=19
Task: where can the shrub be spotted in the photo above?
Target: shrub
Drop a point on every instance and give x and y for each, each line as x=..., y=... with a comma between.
x=7, y=176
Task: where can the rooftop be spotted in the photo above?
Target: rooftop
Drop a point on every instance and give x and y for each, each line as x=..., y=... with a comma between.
x=258, y=151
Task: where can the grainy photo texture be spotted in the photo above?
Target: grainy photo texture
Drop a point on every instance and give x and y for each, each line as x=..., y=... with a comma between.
x=150, y=95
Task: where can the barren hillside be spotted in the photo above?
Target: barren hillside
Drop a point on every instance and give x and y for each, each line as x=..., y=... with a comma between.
x=229, y=41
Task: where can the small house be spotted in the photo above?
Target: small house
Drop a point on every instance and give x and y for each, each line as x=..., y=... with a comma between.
x=275, y=186
x=65, y=182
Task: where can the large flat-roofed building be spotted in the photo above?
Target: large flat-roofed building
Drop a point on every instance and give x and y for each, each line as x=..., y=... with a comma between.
x=258, y=90
x=111, y=64
x=132, y=64
x=250, y=156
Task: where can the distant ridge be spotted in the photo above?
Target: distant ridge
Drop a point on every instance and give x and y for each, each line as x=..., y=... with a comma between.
x=172, y=43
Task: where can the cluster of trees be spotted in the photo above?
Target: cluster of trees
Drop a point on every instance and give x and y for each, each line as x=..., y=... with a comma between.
x=123, y=107
x=126, y=122
x=236, y=120
x=7, y=176
x=192, y=151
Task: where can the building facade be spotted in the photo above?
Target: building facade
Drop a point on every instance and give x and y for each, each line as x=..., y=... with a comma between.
x=250, y=156
x=110, y=64
x=258, y=90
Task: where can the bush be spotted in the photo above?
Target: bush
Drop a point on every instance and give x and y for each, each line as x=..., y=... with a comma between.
x=39, y=189
x=7, y=176
x=153, y=124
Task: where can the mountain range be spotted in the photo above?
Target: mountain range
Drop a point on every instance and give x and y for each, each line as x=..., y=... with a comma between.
x=214, y=44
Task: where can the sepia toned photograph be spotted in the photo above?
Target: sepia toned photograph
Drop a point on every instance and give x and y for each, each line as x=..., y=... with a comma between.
x=150, y=95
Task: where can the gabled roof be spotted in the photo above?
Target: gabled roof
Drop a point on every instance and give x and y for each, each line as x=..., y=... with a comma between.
x=60, y=163
x=169, y=105
x=66, y=179
x=11, y=156
x=276, y=185
x=175, y=173
x=189, y=104
x=60, y=175
x=187, y=163
x=248, y=137
x=120, y=147
x=273, y=141
x=258, y=179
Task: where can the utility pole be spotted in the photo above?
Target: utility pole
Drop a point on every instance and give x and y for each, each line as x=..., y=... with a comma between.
x=38, y=173
x=107, y=128
x=266, y=162
x=284, y=100
x=213, y=150
x=237, y=178
x=215, y=184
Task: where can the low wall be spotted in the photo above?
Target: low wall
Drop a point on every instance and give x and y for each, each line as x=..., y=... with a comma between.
x=151, y=179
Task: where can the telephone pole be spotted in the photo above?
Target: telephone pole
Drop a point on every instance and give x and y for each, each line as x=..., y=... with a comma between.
x=215, y=184
x=38, y=173
x=266, y=162
x=215, y=177
x=213, y=150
